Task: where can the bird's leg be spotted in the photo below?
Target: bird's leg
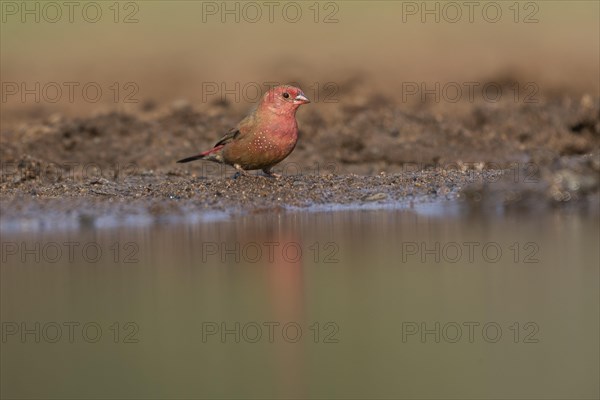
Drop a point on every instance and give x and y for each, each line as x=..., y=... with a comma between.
x=240, y=171
x=270, y=173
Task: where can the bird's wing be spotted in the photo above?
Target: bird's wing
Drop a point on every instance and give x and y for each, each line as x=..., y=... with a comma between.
x=228, y=137
x=243, y=127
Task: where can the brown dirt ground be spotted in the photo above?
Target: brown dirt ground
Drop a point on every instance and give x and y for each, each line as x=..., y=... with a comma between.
x=363, y=150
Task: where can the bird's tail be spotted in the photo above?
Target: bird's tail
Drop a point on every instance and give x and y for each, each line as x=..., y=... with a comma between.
x=201, y=155
x=193, y=158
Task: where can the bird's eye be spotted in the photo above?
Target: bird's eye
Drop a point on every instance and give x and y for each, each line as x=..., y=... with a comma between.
x=286, y=95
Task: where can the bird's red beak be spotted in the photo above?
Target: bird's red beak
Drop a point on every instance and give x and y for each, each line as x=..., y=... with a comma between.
x=301, y=99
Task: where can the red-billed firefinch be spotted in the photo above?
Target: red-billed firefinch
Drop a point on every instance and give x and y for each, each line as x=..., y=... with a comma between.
x=265, y=137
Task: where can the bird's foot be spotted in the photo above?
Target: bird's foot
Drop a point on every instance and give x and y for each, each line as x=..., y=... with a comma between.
x=239, y=171
x=271, y=174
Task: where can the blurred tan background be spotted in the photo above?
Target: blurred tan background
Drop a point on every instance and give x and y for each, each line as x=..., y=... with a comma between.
x=177, y=46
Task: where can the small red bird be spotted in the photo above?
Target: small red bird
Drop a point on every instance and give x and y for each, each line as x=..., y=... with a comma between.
x=262, y=139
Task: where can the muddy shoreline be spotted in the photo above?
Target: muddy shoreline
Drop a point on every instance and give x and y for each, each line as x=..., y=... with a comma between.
x=369, y=151
x=163, y=198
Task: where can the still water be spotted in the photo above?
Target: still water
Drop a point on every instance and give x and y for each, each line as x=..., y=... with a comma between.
x=410, y=303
